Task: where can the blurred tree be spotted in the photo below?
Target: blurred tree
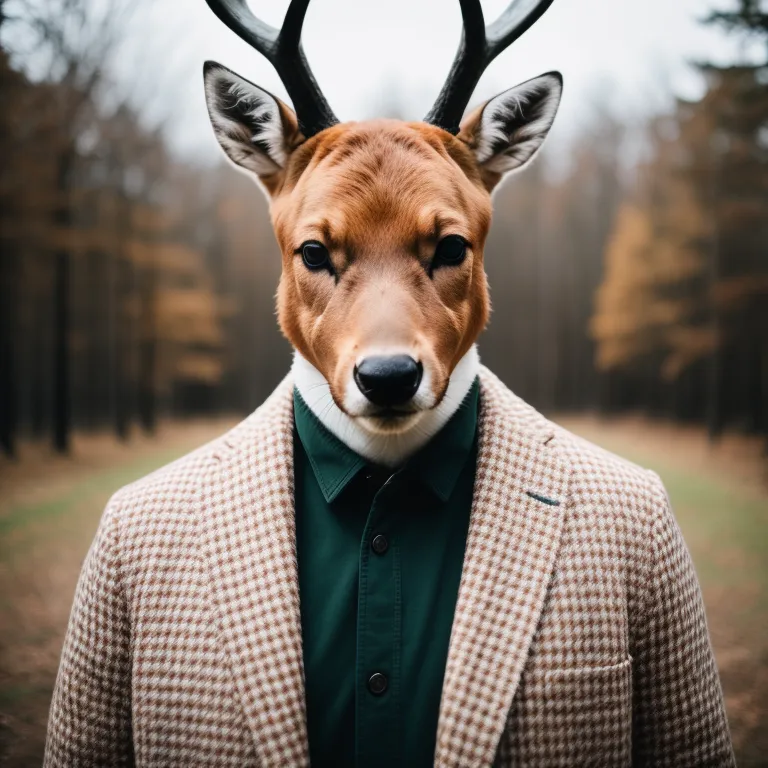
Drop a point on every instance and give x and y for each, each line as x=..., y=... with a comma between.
x=11, y=84
x=750, y=144
x=74, y=38
x=545, y=260
x=687, y=270
x=750, y=18
x=118, y=269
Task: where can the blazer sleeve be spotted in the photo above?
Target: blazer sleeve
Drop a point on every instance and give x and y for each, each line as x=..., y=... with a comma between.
x=90, y=718
x=679, y=716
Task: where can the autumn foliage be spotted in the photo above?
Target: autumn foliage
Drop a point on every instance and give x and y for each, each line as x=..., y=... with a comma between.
x=684, y=300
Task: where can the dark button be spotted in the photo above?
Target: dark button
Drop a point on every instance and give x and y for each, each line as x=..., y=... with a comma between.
x=379, y=544
x=377, y=683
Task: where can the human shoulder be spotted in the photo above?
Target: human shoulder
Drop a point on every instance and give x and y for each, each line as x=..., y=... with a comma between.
x=618, y=507
x=168, y=498
x=602, y=478
x=599, y=481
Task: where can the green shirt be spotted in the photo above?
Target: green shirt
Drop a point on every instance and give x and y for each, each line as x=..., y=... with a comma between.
x=380, y=555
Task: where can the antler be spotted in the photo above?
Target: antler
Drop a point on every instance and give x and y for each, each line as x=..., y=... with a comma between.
x=282, y=48
x=478, y=48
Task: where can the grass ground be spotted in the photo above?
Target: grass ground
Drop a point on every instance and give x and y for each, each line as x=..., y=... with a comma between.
x=50, y=507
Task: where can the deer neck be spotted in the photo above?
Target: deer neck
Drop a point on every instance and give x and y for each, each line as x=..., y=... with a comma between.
x=388, y=450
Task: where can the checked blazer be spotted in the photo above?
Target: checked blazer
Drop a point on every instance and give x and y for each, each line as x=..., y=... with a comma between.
x=579, y=637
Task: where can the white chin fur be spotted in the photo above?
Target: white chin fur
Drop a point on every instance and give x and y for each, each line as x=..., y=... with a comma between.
x=389, y=449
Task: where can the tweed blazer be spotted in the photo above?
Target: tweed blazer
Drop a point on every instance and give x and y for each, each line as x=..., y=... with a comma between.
x=579, y=637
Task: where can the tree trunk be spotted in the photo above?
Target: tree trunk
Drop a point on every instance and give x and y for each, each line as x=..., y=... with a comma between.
x=61, y=415
x=147, y=342
x=715, y=369
x=118, y=348
x=62, y=411
x=8, y=393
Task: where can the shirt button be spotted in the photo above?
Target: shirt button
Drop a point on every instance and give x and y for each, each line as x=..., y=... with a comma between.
x=377, y=683
x=379, y=544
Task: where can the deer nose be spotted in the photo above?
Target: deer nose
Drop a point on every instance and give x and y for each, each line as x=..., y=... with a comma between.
x=388, y=381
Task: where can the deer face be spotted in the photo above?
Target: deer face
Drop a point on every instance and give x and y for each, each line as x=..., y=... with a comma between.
x=383, y=288
x=381, y=226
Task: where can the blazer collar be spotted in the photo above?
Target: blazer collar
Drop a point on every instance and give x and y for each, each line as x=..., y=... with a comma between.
x=249, y=542
x=514, y=535
x=436, y=466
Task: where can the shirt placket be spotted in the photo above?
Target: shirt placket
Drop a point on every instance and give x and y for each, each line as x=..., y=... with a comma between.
x=379, y=634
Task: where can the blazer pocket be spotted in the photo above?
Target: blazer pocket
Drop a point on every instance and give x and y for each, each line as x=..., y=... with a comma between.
x=577, y=717
x=609, y=688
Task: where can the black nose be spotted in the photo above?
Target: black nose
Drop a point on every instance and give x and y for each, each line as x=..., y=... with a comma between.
x=388, y=381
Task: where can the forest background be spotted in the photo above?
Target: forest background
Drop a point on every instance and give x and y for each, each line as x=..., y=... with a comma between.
x=137, y=282
x=628, y=269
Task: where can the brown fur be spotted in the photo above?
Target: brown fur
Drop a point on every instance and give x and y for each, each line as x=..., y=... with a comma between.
x=380, y=195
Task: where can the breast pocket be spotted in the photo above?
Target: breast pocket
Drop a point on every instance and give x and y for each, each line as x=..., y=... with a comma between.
x=579, y=716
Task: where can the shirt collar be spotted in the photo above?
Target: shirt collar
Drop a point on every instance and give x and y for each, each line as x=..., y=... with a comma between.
x=437, y=465
x=333, y=462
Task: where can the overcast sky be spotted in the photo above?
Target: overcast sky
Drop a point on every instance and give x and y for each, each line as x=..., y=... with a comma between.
x=368, y=54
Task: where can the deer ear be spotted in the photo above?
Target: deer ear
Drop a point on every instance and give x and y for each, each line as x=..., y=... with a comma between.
x=506, y=132
x=254, y=128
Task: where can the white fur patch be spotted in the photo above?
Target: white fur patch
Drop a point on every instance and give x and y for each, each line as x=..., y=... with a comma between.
x=388, y=449
x=246, y=120
x=514, y=124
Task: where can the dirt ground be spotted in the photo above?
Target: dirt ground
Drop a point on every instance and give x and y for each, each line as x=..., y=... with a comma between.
x=50, y=507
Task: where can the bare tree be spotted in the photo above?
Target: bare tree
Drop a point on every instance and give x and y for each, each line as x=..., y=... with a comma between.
x=72, y=41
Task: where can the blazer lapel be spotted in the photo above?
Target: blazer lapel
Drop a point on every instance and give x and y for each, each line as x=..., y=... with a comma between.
x=249, y=543
x=514, y=534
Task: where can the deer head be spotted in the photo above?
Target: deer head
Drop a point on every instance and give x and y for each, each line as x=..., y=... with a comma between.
x=382, y=223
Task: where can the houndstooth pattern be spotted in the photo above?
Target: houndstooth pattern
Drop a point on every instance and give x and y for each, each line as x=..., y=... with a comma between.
x=579, y=637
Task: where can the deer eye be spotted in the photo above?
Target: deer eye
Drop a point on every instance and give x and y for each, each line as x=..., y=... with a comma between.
x=315, y=255
x=450, y=251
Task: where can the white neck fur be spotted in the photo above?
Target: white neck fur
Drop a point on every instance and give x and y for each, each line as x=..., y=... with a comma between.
x=389, y=450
